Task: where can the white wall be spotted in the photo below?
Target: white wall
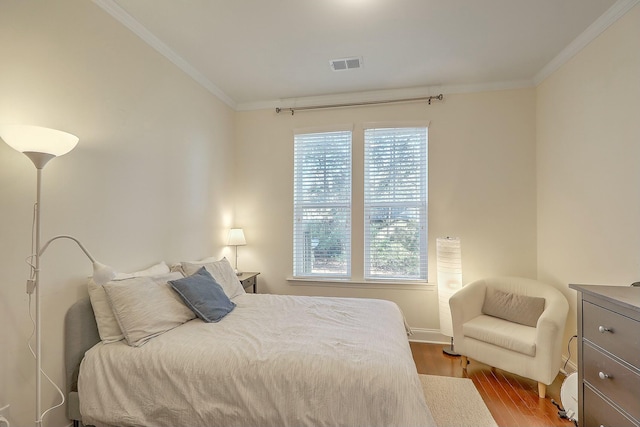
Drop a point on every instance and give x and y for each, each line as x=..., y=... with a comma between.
x=481, y=188
x=588, y=153
x=149, y=180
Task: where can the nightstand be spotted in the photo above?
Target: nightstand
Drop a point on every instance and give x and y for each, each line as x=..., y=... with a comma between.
x=249, y=280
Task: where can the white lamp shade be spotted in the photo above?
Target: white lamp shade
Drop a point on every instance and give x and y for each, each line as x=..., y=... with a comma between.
x=102, y=273
x=36, y=139
x=449, y=278
x=236, y=237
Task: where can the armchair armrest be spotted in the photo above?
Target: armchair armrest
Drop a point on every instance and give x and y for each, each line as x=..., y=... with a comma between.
x=550, y=331
x=466, y=304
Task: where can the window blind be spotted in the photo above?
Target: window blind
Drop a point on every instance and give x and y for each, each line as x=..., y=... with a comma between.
x=395, y=203
x=322, y=204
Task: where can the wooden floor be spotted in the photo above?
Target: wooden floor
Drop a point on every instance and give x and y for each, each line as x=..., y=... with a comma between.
x=512, y=400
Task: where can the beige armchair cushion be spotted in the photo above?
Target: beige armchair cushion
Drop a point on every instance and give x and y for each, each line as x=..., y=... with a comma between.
x=513, y=307
x=500, y=332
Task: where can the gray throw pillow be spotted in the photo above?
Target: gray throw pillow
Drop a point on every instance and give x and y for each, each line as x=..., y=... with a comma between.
x=204, y=296
x=513, y=307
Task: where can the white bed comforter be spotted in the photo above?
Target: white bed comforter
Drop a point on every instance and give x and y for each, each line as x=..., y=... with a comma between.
x=274, y=361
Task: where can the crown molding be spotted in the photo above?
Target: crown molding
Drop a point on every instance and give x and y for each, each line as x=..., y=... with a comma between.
x=113, y=9
x=614, y=13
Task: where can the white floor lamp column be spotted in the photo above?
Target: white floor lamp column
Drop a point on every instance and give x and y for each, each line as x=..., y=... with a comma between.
x=449, y=281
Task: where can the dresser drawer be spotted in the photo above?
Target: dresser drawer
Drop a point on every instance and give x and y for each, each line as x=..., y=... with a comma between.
x=617, y=334
x=619, y=383
x=600, y=413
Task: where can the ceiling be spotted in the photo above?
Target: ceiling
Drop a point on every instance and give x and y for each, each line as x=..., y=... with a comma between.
x=258, y=53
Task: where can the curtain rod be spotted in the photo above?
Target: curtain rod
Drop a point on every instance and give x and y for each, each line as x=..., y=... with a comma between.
x=358, y=104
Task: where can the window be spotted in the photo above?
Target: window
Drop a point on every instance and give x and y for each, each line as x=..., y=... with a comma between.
x=322, y=204
x=392, y=244
x=395, y=203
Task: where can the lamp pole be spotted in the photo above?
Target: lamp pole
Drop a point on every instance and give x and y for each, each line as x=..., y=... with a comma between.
x=236, y=238
x=37, y=291
x=39, y=160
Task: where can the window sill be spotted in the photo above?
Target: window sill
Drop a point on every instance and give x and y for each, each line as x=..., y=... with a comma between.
x=406, y=285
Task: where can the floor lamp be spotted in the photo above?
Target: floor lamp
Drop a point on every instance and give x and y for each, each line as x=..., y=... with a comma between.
x=449, y=265
x=41, y=145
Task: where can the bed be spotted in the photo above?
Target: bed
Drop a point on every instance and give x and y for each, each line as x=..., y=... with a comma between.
x=274, y=360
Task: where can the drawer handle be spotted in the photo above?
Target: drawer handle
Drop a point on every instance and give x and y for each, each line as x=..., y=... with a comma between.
x=604, y=329
x=603, y=376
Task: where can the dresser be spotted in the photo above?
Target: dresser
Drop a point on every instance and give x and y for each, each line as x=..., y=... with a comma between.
x=608, y=355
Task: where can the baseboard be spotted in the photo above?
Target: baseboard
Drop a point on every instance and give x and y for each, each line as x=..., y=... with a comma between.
x=431, y=336
x=568, y=367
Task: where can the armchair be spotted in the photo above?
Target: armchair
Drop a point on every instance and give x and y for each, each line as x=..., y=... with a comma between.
x=533, y=352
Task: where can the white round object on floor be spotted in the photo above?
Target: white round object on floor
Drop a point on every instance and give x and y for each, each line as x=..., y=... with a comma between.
x=569, y=395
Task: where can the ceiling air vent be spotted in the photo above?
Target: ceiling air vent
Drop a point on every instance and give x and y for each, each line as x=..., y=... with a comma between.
x=344, y=64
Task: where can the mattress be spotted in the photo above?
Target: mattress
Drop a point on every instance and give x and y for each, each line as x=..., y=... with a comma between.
x=273, y=361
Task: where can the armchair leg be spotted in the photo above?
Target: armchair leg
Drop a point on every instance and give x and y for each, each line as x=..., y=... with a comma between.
x=542, y=390
x=464, y=362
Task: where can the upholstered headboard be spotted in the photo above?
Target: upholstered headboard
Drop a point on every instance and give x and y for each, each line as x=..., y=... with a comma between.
x=80, y=334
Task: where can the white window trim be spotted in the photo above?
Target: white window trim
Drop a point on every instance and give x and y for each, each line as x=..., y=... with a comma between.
x=396, y=124
x=362, y=284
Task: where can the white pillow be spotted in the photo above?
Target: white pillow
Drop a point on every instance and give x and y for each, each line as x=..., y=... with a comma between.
x=108, y=327
x=154, y=270
x=145, y=307
x=178, y=266
x=221, y=271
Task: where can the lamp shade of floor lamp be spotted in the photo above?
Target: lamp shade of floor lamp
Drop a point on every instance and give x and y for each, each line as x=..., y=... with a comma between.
x=41, y=145
x=236, y=238
x=449, y=266
x=38, y=143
